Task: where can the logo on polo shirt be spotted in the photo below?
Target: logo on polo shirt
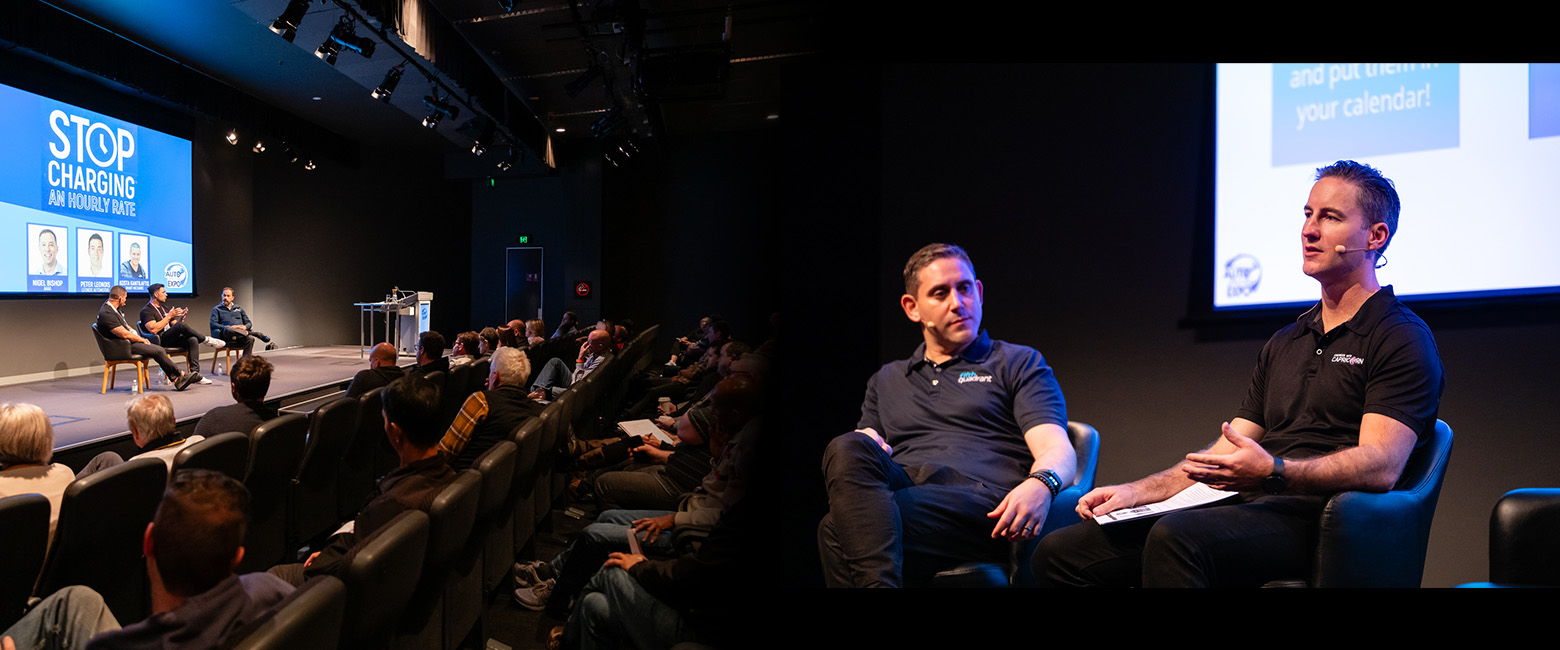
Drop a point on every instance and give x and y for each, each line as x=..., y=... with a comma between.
x=1347, y=358
x=970, y=375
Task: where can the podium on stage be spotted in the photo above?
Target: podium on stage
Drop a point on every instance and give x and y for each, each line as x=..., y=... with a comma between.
x=406, y=316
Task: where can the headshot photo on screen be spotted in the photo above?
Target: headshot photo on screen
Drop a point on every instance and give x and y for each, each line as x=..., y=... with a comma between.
x=137, y=257
x=47, y=257
x=94, y=253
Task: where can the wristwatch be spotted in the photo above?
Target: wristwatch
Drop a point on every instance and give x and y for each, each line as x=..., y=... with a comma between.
x=1050, y=479
x=1274, y=483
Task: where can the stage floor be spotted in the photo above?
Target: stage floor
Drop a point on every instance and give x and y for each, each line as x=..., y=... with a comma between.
x=82, y=416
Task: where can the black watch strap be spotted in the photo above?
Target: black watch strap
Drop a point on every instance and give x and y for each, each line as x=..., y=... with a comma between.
x=1050, y=479
x=1275, y=483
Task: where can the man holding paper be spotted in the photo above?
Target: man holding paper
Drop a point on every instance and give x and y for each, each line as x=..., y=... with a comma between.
x=1337, y=402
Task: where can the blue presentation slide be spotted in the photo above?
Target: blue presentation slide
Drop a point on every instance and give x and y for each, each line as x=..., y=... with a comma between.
x=89, y=201
x=1471, y=149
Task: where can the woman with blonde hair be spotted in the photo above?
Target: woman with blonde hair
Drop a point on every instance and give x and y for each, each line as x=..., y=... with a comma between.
x=26, y=447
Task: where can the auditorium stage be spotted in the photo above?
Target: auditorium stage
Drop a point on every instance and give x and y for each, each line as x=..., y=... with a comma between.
x=82, y=417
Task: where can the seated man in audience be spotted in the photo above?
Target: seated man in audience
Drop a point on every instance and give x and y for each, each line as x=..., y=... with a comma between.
x=112, y=324
x=567, y=326
x=668, y=472
x=382, y=370
x=556, y=376
x=489, y=340
x=550, y=585
x=491, y=416
x=466, y=347
x=152, y=427
x=166, y=327
x=411, y=414
x=65, y=620
x=192, y=546
x=251, y=380
x=430, y=355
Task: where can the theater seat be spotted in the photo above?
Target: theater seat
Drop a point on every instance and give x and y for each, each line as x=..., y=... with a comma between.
x=308, y=619
x=98, y=539
x=276, y=449
x=1378, y=539
x=227, y=453
x=381, y=573
x=25, y=520
x=1086, y=446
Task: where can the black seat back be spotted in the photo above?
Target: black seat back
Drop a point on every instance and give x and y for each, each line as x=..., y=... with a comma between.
x=227, y=453
x=98, y=539
x=382, y=571
x=275, y=451
x=308, y=619
x=25, y=520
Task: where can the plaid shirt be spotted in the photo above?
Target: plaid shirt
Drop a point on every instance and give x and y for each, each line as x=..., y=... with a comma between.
x=471, y=414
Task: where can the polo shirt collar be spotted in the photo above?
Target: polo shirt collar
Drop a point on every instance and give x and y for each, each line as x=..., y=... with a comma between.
x=978, y=351
x=1363, y=321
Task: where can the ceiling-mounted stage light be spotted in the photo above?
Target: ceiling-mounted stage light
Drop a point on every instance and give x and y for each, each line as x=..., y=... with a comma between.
x=232, y=137
x=287, y=23
x=341, y=36
x=309, y=165
x=510, y=159
x=480, y=129
x=386, y=87
x=259, y=146
x=438, y=110
x=290, y=154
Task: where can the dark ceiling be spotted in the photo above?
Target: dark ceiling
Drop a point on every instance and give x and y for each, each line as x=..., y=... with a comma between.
x=667, y=68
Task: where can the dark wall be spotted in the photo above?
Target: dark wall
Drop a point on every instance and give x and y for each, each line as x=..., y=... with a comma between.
x=1076, y=191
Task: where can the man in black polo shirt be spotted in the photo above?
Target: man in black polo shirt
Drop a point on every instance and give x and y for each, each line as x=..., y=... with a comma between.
x=1336, y=403
x=113, y=325
x=967, y=432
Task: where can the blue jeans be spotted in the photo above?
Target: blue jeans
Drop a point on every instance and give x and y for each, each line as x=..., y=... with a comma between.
x=556, y=377
x=576, y=564
x=614, y=608
x=63, y=621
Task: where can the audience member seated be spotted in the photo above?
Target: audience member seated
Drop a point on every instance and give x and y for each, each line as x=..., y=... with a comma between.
x=251, y=377
x=430, y=355
x=535, y=332
x=552, y=585
x=152, y=427
x=491, y=416
x=411, y=413
x=466, y=348
x=192, y=547
x=689, y=386
x=382, y=370
x=666, y=472
x=567, y=327
x=507, y=338
x=489, y=340
x=26, y=447
x=556, y=376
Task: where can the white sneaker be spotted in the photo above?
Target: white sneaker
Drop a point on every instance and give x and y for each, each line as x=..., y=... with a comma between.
x=216, y=342
x=204, y=380
x=535, y=598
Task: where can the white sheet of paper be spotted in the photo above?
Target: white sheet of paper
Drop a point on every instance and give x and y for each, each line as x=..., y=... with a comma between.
x=1196, y=495
x=645, y=428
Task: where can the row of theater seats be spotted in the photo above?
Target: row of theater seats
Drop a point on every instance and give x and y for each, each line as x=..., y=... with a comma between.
x=418, y=583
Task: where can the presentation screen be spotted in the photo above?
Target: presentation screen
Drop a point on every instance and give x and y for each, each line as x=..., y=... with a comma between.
x=1474, y=150
x=88, y=201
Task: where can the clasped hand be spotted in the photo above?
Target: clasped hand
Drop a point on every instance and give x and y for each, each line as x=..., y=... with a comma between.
x=1242, y=469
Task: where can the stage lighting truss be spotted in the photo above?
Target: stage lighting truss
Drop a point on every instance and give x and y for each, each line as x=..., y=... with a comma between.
x=438, y=109
x=480, y=129
x=344, y=35
x=287, y=23
x=386, y=87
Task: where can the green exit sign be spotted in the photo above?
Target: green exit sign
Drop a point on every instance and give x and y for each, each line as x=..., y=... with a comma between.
x=525, y=239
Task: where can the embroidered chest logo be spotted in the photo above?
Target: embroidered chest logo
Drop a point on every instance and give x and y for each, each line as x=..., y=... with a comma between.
x=1347, y=358
x=970, y=375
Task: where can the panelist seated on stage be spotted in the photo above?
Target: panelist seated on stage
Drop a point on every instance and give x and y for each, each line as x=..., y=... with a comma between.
x=231, y=323
x=430, y=355
x=153, y=428
x=1337, y=402
x=251, y=380
x=112, y=324
x=382, y=370
x=166, y=326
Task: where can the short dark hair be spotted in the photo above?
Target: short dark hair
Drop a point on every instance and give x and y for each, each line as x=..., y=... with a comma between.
x=1376, y=194
x=721, y=327
x=432, y=343
x=924, y=257
x=507, y=338
x=95, y=236
x=735, y=349
x=490, y=334
x=48, y=232
x=571, y=318
x=251, y=377
x=197, y=530
x=468, y=342
x=117, y=292
x=412, y=403
x=151, y=290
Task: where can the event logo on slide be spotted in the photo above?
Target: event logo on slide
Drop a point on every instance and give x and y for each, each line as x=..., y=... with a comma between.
x=90, y=165
x=1327, y=111
x=175, y=275
x=1242, y=274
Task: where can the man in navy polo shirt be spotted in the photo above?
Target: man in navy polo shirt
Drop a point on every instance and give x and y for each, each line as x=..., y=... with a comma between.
x=960, y=448
x=1337, y=402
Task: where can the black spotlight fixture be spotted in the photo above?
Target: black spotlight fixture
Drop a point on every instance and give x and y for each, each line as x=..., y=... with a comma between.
x=259, y=146
x=386, y=87
x=309, y=166
x=510, y=160
x=438, y=110
x=480, y=130
x=343, y=35
x=232, y=137
x=287, y=23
